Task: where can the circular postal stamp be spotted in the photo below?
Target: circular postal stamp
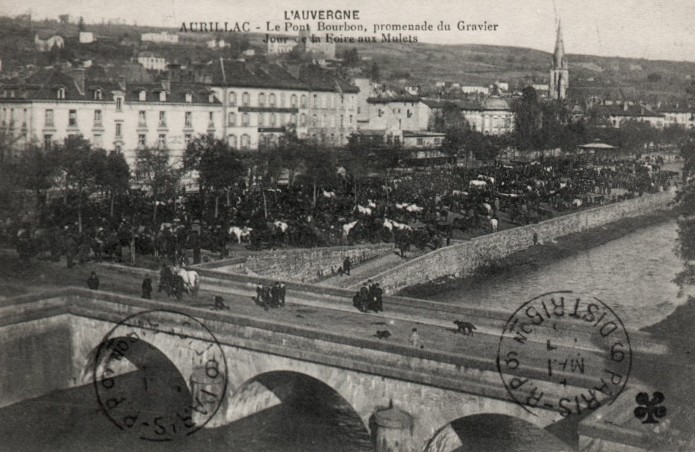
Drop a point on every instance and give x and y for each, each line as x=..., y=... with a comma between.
x=566, y=352
x=160, y=375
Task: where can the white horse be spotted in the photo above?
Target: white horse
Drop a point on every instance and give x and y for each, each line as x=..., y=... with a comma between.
x=371, y=204
x=477, y=183
x=364, y=210
x=347, y=227
x=414, y=208
x=328, y=194
x=241, y=233
x=191, y=280
x=577, y=203
x=281, y=225
x=391, y=225
x=494, y=224
x=402, y=205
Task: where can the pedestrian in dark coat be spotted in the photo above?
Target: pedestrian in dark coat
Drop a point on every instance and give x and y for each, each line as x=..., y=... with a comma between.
x=275, y=295
x=378, y=294
x=346, y=265
x=364, y=297
x=93, y=281
x=147, y=287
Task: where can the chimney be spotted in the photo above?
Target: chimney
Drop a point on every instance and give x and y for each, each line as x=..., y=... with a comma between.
x=121, y=82
x=79, y=75
x=166, y=82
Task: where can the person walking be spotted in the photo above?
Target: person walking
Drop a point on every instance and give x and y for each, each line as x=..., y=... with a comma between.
x=147, y=287
x=346, y=265
x=93, y=281
x=378, y=298
x=414, y=339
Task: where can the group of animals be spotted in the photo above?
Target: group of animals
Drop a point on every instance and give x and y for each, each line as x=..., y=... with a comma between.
x=465, y=328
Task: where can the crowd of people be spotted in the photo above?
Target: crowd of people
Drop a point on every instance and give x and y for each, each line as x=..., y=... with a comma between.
x=413, y=208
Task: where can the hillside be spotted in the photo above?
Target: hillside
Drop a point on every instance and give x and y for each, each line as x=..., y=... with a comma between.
x=418, y=63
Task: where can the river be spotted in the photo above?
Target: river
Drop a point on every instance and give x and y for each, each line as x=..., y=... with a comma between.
x=632, y=274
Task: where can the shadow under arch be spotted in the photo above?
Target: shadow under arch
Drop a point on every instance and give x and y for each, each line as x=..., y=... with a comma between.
x=305, y=406
x=494, y=432
x=144, y=380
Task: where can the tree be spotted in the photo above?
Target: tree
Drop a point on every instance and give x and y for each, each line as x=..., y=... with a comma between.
x=116, y=177
x=35, y=171
x=527, y=119
x=351, y=57
x=154, y=172
x=374, y=72
x=320, y=168
x=217, y=165
x=81, y=167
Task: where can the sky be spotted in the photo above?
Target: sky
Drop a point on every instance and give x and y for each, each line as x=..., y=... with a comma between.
x=652, y=29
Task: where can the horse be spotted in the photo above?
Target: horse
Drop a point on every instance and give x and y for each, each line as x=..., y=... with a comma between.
x=364, y=210
x=191, y=280
x=494, y=224
x=241, y=233
x=391, y=225
x=576, y=203
x=414, y=208
x=347, y=227
x=281, y=225
x=371, y=204
x=328, y=194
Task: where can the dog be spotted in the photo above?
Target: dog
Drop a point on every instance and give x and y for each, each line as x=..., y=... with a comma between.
x=465, y=328
x=219, y=303
x=383, y=334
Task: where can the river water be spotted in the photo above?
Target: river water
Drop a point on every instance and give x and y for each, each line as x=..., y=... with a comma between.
x=632, y=274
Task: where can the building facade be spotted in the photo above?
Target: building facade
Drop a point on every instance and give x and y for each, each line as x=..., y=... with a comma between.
x=162, y=37
x=152, y=61
x=114, y=116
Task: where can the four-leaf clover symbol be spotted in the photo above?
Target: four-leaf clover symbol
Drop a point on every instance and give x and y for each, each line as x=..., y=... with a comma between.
x=650, y=410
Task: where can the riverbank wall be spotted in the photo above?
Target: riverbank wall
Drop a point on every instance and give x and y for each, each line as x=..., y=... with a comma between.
x=464, y=259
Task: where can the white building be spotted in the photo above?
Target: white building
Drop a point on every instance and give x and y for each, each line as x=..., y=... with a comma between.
x=217, y=44
x=683, y=117
x=86, y=37
x=150, y=60
x=402, y=112
x=53, y=105
x=260, y=101
x=278, y=45
x=474, y=89
x=161, y=37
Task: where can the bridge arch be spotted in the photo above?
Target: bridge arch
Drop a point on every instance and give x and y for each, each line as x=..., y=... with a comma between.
x=301, y=398
x=493, y=431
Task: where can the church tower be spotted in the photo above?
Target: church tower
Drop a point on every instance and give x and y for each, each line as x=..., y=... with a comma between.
x=559, y=72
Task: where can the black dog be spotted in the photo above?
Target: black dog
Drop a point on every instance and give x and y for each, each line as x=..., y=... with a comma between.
x=385, y=334
x=465, y=328
x=219, y=303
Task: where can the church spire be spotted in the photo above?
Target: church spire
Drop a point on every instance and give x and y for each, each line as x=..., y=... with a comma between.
x=559, y=60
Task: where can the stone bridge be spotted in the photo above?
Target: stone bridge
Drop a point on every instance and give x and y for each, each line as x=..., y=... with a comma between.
x=49, y=342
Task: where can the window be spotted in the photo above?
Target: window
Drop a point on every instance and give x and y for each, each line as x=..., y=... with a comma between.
x=142, y=118
x=232, y=140
x=342, y=120
x=260, y=119
x=245, y=119
x=187, y=138
x=232, y=99
x=283, y=100
x=261, y=100
x=245, y=99
x=271, y=100
x=211, y=98
x=98, y=142
x=60, y=93
x=316, y=101
x=141, y=141
x=189, y=97
x=47, y=142
x=98, y=94
x=211, y=119
x=97, y=117
x=314, y=121
x=72, y=118
x=420, y=141
x=245, y=141
x=188, y=119
x=293, y=101
x=359, y=110
x=350, y=119
x=162, y=96
x=142, y=95
x=231, y=119
x=293, y=118
x=118, y=130
x=303, y=104
x=273, y=120
x=302, y=120
x=162, y=141
x=49, y=118
x=162, y=119
x=119, y=103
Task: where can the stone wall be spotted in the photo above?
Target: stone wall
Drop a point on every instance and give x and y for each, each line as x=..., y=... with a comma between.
x=302, y=265
x=463, y=259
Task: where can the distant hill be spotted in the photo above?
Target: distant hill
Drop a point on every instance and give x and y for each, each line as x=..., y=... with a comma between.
x=417, y=63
